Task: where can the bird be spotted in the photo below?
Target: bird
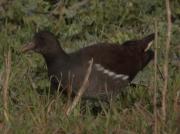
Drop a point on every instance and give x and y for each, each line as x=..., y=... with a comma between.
x=114, y=65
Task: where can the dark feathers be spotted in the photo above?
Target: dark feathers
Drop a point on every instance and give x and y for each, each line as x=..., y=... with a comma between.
x=114, y=65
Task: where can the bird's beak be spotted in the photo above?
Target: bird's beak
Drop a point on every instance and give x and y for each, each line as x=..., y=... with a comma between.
x=27, y=47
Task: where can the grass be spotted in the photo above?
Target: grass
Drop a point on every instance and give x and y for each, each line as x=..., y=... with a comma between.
x=96, y=21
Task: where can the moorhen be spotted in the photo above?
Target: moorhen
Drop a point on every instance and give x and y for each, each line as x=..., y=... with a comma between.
x=114, y=65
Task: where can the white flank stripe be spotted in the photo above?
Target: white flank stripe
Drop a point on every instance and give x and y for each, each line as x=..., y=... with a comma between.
x=118, y=76
x=125, y=77
x=99, y=67
x=110, y=73
x=105, y=71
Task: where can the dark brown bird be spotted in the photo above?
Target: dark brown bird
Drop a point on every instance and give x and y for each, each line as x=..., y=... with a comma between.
x=114, y=65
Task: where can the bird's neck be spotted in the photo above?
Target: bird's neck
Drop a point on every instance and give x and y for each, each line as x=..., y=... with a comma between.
x=56, y=59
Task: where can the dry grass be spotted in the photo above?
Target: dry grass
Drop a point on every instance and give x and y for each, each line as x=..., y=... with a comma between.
x=155, y=82
x=166, y=61
x=81, y=90
x=6, y=84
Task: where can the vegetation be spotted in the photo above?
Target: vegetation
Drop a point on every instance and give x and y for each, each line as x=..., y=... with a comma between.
x=77, y=24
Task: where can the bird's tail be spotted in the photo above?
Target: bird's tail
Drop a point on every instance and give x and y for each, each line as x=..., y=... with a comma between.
x=147, y=42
